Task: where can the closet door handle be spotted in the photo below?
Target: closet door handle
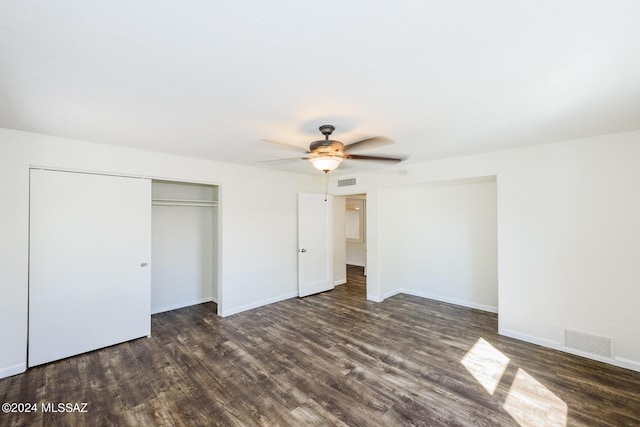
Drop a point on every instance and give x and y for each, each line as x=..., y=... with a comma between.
x=303, y=250
x=143, y=264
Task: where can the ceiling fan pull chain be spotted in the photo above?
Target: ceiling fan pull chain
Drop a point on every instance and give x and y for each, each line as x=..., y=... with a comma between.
x=326, y=184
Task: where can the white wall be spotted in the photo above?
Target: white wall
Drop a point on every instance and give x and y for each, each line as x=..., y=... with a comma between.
x=356, y=254
x=569, y=225
x=568, y=237
x=440, y=242
x=258, y=252
x=339, y=241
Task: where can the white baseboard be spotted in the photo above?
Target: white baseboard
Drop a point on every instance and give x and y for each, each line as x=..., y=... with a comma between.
x=634, y=365
x=374, y=298
x=339, y=282
x=246, y=307
x=467, y=304
x=529, y=338
x=616, y=361
x=181, y=305
x=393, y=293
x=13, y=370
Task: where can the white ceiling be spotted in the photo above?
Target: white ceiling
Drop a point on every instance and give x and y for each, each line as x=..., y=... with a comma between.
x=211, y=79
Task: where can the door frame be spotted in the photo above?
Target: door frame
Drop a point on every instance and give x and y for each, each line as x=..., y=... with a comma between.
x=365, y=197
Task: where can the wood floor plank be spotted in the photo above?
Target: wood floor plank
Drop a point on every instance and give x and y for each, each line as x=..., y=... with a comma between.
x=328, y=359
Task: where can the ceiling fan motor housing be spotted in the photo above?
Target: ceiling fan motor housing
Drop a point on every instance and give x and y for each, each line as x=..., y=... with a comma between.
x=327, y=130
x=327, y=147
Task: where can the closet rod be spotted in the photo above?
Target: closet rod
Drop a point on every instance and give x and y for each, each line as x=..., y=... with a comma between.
x=186, y=200
x=201, y=203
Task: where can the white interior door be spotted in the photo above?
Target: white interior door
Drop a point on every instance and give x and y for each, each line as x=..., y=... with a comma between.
x=315, y=243
x=89, y=279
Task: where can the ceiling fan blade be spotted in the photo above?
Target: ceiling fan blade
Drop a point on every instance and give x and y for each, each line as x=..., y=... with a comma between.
x=369, y=143
x=285, y=160
x=284, y=145
x=375, y=158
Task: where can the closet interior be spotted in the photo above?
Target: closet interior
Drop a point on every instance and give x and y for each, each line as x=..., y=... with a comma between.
x=184, y=245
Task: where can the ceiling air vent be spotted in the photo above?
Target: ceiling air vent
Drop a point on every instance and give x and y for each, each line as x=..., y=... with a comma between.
x=346, y=182
x=588, y=343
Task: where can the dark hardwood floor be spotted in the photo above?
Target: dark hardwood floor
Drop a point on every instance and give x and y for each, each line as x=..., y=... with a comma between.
x=328, y=359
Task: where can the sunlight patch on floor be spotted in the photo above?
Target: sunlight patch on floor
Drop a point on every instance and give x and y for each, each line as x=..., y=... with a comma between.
x=532, y=404
x=529, y=402
x=486, y=363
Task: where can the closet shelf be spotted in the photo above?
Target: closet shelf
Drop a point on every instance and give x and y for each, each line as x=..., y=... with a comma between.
x=184, y=202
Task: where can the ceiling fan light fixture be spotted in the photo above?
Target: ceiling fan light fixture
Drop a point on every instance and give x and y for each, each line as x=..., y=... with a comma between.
x=327, y=154
x=326, y=163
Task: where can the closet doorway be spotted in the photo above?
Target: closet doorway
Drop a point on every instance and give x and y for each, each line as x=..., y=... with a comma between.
x=184, y=248
x=107, y=251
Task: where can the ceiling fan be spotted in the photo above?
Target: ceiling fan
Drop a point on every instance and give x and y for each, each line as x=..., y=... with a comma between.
x=327, y=154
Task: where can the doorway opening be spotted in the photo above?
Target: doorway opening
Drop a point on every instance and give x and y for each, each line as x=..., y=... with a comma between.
x=355, y=231
x=350, y=252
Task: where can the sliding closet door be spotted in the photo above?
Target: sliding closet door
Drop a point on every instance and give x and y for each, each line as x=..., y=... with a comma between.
x=89, y=279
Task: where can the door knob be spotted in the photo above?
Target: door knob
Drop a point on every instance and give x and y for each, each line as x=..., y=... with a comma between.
x=143, y=264
x=303, y=250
